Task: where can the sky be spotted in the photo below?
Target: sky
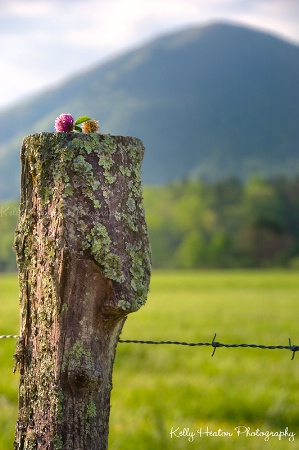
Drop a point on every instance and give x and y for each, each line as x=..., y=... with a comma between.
x=44, y=42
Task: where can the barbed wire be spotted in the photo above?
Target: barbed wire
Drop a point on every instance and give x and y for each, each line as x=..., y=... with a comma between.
x=215, y=344
x=9, y=336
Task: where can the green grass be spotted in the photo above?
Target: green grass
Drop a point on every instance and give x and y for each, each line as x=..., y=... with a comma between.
x=159, y=387
x=9, y=324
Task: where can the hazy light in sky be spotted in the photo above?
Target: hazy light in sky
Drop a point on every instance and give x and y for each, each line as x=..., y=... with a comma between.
x=45, y=41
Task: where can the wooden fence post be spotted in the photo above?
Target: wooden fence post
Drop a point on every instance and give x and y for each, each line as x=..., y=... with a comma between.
x=84, y=264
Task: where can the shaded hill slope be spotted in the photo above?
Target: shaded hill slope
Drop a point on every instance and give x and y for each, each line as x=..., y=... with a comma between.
x=214, y=101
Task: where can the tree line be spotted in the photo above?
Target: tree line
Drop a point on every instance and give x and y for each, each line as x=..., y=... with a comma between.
x=198, y=224
x=226, y=224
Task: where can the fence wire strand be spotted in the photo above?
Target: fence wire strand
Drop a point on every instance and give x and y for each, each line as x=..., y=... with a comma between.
x=9, y=336
x=215, y=344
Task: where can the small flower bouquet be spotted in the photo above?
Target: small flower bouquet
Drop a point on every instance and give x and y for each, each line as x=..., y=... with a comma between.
x=65, y=123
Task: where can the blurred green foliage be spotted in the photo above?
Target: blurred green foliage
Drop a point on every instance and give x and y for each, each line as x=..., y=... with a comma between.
x=199, y=224
x=9, y=214
x=196, y=224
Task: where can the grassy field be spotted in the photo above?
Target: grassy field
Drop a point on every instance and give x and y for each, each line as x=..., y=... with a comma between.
x=9, y=324
x=157, y=389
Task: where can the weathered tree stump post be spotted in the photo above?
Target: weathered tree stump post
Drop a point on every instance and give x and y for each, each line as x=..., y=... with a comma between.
x=84, y=264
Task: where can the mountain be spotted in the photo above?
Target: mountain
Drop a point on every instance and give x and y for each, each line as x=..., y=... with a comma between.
x=214, y=101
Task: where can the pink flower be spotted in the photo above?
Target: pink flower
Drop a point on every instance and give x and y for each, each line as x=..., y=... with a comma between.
x=64, y=123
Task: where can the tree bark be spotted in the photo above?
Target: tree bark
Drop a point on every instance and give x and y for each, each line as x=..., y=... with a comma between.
x=84, y=264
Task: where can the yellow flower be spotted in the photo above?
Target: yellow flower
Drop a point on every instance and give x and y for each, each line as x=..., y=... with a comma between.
x=90, y=126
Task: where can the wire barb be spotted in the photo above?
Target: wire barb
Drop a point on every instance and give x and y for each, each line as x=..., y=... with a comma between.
x=293, y=348
x=215, y=344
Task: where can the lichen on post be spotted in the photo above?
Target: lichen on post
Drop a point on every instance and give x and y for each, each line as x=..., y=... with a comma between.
x=84, y=264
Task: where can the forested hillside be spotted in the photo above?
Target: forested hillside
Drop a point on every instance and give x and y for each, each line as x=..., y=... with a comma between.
x=196, y=224
x=211, y=101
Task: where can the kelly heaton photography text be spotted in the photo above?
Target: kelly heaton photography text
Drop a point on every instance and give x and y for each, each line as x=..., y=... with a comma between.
x=6, y=211
x=241, y=431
